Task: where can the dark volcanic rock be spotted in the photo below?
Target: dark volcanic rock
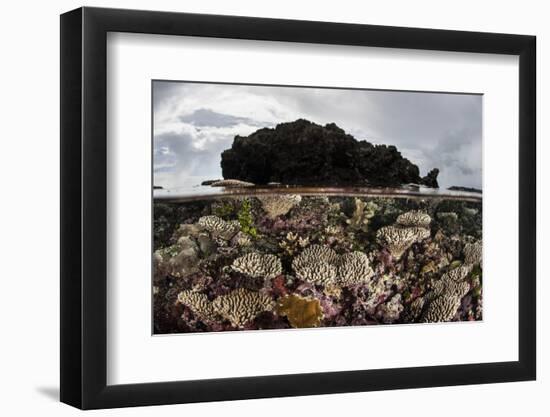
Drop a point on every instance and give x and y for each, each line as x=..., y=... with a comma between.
x=468, y=189
x=430, y=180
x=304, y=153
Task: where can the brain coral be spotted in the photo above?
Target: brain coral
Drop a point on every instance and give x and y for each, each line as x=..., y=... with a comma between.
x=257, y=265
x=241, y=306
x=198, y=303
x=473, y=253
x=300, y=311
x=354, y=269
x=399, y=239
x=316, y=264
x=219, y=227
x=414, y=218
x=279, y=205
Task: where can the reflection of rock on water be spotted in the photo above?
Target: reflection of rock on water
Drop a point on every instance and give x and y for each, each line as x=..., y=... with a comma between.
x=343, y=260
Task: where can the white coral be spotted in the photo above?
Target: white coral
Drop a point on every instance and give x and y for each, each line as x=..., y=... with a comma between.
x=414, y=219
x=258, y=265
x=219, y=227
x=354, y=269
x=399, y=239
x=241, y=306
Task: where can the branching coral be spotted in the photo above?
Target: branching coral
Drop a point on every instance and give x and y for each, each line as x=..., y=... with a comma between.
x=414, y=219
x=293, y=243
x=241, y=306
x=300, y=311
x=354, y=269
x=316, y=264
x=241, y=239
x=279, y=204
x=219, y=227
x=198, y=303
x=257, y=265
x=399, y=239
x=362, y=214
x=473, y=253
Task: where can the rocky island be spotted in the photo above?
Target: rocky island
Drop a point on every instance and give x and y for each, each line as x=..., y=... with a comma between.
x=305, y=153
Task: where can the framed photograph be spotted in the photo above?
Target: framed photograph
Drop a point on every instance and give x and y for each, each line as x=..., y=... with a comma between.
x=257, y=208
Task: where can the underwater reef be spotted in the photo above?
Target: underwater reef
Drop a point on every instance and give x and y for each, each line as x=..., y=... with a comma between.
x=281, y=261
x=305, y=153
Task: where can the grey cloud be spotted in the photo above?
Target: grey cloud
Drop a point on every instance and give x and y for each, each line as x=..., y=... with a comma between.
x=431, y=129
x=210, y=118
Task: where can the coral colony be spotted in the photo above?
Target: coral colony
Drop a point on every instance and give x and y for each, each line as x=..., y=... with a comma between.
x=247, y=261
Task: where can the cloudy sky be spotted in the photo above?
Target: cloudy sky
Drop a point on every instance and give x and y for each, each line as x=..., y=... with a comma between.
x=194, y=123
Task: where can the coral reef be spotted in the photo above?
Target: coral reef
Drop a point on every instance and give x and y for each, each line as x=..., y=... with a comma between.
x=300, y=311
x=239, y=263
x=278, y=204
x=242, y=306
x=257, y=265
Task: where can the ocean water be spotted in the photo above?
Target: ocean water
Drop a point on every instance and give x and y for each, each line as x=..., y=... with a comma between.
x=261, y=258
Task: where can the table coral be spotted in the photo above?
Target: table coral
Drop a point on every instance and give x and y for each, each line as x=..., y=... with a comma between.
x=219, y=227
x=257, y=265
x=414, y=219
x=241, y=306
x=316, y=264
x=442, y=303
x=318, y=273
x=198, y=303
x=399, y=239
x=354, y=269
x=300, y=311
x=473, y=253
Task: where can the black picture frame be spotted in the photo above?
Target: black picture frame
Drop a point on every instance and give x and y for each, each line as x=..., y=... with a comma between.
x=84, y=207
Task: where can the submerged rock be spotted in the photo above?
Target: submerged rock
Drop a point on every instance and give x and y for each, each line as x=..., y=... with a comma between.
x=305, y=153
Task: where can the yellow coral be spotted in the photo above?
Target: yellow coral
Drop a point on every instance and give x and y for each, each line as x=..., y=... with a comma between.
x=301, y=312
